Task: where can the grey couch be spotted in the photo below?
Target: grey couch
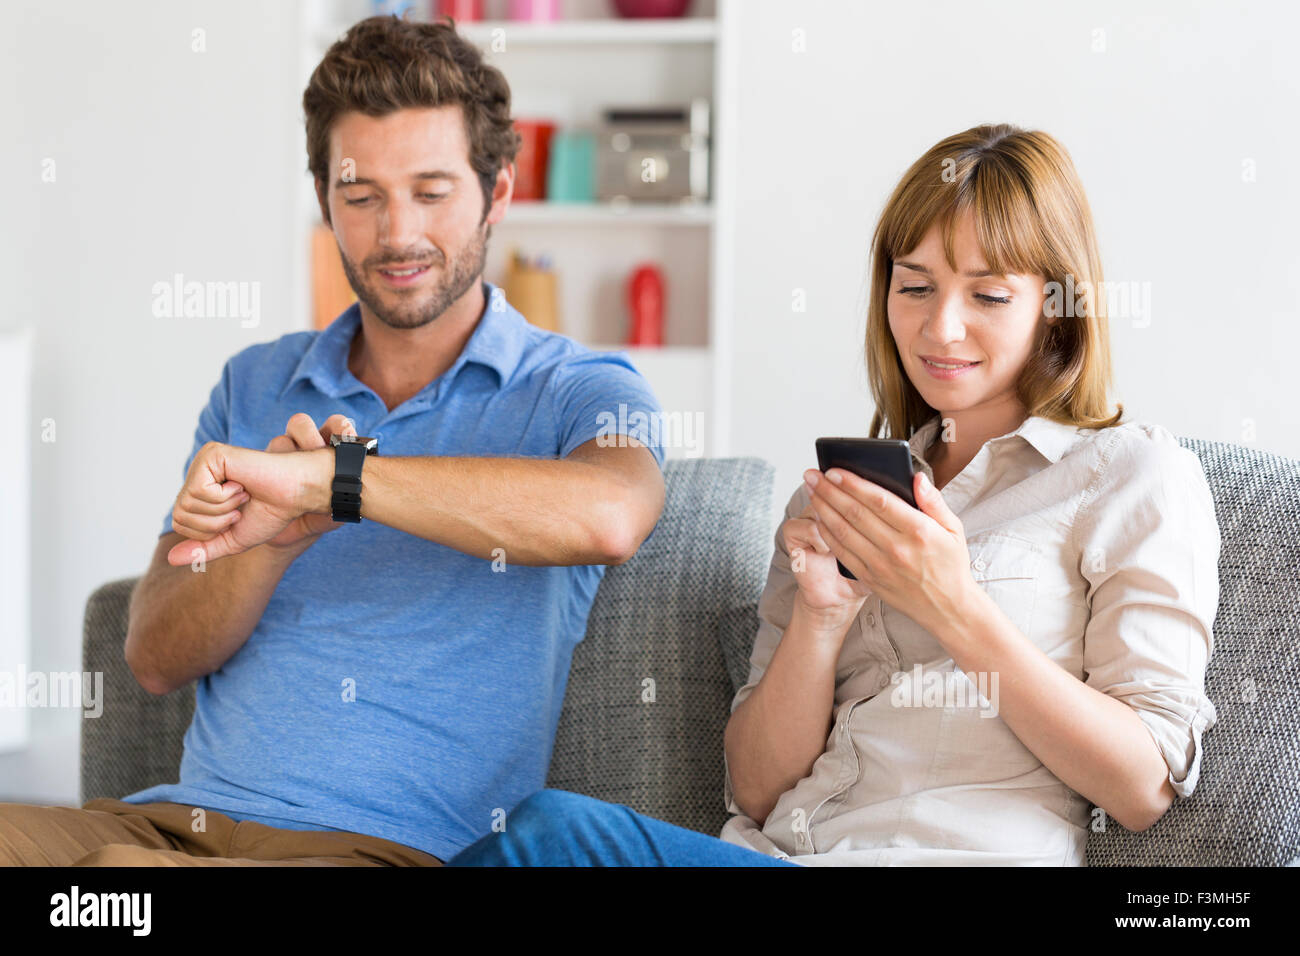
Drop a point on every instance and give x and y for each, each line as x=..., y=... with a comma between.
x=682, y=612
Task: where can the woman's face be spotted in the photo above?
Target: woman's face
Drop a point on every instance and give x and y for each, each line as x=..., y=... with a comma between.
x=965, y=316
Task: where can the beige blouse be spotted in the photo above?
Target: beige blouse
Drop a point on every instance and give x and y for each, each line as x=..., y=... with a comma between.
x=1103, y=547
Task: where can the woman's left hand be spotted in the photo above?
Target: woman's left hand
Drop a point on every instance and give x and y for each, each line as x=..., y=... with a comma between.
x=916, y=559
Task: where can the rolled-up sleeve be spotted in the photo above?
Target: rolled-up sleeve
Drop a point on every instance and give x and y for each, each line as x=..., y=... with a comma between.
x=1149, y=544
x=775, y=608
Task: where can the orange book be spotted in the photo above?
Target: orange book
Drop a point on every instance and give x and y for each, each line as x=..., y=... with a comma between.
x=330, y=292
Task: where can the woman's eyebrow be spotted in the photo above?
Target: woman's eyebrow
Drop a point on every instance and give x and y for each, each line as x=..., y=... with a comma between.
x=982, y=274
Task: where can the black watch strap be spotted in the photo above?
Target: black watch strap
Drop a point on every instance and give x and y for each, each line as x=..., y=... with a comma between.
x=349, y=457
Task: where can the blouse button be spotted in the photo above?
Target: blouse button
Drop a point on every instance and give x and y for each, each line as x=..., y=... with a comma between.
x=871, y=619
x=978, y=564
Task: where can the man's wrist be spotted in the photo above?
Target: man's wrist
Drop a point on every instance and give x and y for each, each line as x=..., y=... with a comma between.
x=320, y=480
x=284, y=555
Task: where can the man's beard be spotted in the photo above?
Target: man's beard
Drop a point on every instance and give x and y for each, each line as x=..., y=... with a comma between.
x=449, y=286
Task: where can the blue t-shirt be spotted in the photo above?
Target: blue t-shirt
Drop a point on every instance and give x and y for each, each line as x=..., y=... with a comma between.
x=458, y=671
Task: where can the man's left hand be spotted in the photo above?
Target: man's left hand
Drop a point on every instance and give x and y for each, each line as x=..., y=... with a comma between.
x=282, y=486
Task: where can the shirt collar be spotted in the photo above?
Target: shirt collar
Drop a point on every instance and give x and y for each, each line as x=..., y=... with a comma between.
x=496, y=342
x=1050, y=438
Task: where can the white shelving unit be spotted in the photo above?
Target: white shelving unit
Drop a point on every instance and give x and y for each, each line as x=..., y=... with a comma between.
x=567, y=72
x=607, y=214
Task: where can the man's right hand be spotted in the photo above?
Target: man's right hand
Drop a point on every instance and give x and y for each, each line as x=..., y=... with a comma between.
x=301, y=434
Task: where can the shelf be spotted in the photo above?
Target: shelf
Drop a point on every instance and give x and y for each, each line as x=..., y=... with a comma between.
x=599, y=214
x=686, y=30
x=532, y=213
x=657, y=353
x=550, y=67
x=682, y=381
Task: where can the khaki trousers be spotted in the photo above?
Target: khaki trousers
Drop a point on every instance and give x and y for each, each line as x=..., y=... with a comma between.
x=113, y=833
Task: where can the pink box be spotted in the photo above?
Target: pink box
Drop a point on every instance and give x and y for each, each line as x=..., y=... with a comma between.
x=535, y=10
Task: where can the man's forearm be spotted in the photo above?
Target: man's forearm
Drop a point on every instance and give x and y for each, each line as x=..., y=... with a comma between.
x=186, y=623
x=538, y=511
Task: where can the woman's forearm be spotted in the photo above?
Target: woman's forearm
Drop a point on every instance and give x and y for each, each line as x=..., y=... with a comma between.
x=1095, y=744
x=777, y=733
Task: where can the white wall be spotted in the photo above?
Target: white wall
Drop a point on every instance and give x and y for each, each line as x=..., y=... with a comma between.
x=1158, y=126
x=166, y=161
x=172, y=161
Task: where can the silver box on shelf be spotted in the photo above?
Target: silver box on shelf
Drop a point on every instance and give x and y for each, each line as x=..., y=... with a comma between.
x=654, y=153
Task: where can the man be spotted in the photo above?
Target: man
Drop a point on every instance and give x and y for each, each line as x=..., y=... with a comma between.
x=379, y=691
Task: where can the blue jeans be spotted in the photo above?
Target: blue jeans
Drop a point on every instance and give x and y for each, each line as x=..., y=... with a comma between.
x=559, y=828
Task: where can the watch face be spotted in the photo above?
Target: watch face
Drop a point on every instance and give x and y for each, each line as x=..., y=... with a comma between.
x=371, y=444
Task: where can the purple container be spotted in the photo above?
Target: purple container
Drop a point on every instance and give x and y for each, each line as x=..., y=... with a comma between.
x=651, y=8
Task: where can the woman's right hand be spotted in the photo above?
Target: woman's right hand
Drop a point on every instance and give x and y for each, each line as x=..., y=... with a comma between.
x=831, y=598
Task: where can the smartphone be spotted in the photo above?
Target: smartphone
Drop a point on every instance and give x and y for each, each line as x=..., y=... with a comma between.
x=884, y=461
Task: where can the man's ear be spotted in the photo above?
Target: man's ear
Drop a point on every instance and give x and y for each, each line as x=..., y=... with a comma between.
x=322, y=199
x=502, y=191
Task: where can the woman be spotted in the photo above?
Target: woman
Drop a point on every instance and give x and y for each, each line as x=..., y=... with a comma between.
x=1030, y=640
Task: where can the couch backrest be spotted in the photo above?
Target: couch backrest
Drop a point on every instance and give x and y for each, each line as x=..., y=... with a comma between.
x=136, y=740
x=650, y=689
x=1245, y=810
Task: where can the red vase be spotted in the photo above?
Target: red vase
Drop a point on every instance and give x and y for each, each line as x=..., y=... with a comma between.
x=645, y=303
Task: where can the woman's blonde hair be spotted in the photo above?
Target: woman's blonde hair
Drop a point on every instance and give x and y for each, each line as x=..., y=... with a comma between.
x=1031, y=218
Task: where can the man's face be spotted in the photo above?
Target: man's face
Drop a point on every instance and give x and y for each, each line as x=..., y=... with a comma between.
x=403, y=196
x=964, y=316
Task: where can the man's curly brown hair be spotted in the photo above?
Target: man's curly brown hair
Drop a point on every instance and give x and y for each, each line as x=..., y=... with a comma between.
x=384, y=64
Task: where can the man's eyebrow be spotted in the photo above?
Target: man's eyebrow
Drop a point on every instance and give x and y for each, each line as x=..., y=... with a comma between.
x=982, y=274
x=431, y=174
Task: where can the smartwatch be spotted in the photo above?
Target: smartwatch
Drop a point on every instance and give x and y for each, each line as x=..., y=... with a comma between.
x=349, y=455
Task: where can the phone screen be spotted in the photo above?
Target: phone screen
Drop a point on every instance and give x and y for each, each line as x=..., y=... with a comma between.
x=883, y=461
